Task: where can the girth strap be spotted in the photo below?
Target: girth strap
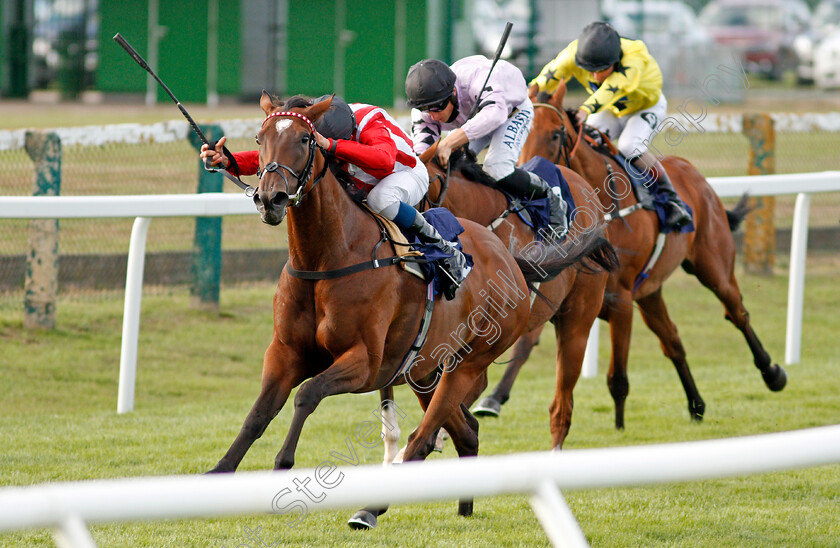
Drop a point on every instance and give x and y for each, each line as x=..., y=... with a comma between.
x=420, y=340
x=347, y=270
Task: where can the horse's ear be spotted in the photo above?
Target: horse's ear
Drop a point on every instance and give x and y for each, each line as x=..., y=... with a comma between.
x=318, y=109
x=533, y=90
x=429, y=153
x=268, y=102
x=559, y=94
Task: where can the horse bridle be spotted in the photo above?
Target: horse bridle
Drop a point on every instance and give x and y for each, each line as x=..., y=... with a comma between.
x=306, y=173
x=563, y=153
x=444, y=186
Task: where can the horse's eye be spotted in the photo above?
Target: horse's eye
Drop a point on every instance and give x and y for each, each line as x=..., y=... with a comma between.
x=257, y=139
x=555, y=136
x=305, y=139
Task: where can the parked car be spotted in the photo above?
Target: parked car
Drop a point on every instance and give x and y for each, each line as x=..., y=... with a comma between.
x=670, y=30
x=762, y=30
x=824, y=22
x=489, y=20
x=827, y=62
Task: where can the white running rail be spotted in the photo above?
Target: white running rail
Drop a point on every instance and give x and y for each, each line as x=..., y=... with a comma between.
x=69, y=507
x=210, y=205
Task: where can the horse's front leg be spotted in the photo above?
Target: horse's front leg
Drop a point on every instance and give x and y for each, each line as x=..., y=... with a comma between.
x=348, y=373
x=280, y=375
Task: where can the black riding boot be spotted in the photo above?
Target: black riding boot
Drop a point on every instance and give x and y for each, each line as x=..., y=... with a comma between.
x=455, y=267
x=678, y=214
x=531, y=186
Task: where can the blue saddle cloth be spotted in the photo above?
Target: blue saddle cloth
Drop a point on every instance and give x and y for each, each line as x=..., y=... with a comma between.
x=660, y=200
x=449, y=228
x=536, y=212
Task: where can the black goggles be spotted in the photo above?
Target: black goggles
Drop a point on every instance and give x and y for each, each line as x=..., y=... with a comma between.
x=437, y=107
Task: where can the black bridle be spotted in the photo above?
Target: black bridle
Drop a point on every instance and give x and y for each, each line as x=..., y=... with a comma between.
x=444, y=186
x=305, y=174
x=563, y=152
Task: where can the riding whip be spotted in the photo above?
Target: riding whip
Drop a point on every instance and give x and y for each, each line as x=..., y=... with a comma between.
x=249, y=190
x=499, y=49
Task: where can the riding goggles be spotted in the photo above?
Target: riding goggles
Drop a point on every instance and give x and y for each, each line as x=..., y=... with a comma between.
x=436, y=107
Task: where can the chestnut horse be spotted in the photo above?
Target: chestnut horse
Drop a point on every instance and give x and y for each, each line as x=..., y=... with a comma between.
x=572, y=299
x=708, y=252
x=350, y=333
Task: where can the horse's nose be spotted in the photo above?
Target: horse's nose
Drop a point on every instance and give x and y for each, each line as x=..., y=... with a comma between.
x=269, y=199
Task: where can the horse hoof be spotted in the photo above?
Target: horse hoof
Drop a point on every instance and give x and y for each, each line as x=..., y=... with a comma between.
x=362, y=520
x=465, y=509
x=217, y=470
x=774, y=377
x=696, y=411
x=487, y=407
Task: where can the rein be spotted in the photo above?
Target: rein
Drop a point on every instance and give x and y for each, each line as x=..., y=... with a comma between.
x=444, y=186
x=562, y=150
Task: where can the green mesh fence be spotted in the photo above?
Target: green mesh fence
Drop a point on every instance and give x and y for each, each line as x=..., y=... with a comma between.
x=158, y=159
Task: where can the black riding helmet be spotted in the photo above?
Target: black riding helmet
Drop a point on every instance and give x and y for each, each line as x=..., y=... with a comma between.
x=599, y=47
x=339, y=122
x=428, y=82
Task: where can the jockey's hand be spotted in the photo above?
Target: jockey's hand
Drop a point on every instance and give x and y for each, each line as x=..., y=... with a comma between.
x=322, y=141
x=445, y=146
x=215, y=155
x=580, y=116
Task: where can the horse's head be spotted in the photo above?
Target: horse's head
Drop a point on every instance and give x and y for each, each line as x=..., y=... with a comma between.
x=287, y=153
x=553, y=132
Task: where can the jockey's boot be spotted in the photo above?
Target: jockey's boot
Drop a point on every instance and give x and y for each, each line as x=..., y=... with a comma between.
x=678, y=214
x=531, y=186
x=455, y=267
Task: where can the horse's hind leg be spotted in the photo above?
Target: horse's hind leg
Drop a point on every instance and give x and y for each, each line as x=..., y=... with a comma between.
x=572, y=330
x=726, y=290
x=655, y=314
x=619, y=314
x=390, y=425
x=277, y=382
x=491, y=406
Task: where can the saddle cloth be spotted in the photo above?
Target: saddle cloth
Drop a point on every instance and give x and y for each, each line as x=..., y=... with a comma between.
x=535, y=213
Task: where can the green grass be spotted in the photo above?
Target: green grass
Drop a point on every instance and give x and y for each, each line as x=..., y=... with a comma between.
x=199, y=374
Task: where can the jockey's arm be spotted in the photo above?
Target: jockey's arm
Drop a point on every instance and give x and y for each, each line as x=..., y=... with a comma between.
x=560, y=68
x=375, y=150
x=456, y=138
x=617, y=85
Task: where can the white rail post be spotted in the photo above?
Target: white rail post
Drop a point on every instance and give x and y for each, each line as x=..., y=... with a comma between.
x=556, y=517
x=131, y=314
x=73, y=533
x=590, y=356
x=796, y=284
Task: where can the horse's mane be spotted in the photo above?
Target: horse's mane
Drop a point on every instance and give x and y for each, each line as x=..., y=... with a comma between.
x=465, y=161
x=298, y=101
x=543, y=97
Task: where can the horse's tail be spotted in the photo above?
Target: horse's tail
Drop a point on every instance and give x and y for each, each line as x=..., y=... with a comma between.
x=589, y=252
x=736, y=215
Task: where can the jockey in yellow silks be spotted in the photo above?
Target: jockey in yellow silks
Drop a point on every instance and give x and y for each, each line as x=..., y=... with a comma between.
x=625, y=101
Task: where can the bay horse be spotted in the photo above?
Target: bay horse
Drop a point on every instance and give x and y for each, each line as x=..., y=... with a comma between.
x=350, y=333
x=572, y=299
x=708, y=252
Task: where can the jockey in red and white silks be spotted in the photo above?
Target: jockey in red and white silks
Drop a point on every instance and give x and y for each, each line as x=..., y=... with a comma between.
x=378, y=157
x=381, y=160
